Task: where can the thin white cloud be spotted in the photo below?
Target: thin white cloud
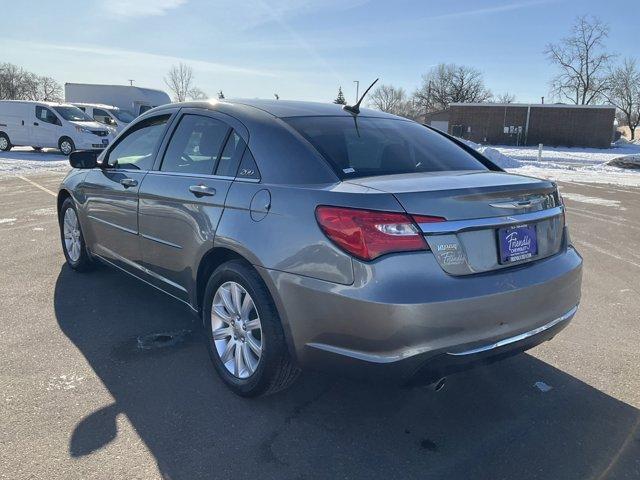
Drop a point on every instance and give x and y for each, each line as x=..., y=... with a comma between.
x=141, y=59
x=489, y=10
x=140, y=8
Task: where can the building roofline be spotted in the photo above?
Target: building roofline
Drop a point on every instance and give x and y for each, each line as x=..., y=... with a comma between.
x=532, y=105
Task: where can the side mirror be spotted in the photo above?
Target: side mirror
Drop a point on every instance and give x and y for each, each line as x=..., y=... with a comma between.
x=83, y=159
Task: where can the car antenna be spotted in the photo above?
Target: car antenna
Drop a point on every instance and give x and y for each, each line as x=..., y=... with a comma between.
x=355, y=109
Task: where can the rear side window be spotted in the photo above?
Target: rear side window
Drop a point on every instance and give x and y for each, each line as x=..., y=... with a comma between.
x=359, y=147
x=135, y=151
x=230, y=158
x=195, y=145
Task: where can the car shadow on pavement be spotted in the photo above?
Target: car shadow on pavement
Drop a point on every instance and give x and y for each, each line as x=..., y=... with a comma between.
x=491, y=422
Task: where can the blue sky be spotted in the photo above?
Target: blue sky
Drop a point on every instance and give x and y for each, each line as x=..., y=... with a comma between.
x=301, y=49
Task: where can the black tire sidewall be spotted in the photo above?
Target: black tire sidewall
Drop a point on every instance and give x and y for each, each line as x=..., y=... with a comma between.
x=273, y=344
x=84, y=262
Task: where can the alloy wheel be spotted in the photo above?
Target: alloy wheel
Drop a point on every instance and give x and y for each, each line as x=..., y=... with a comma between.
x=236, y=329
x=3, y=143
x=71, y=230
x=66, y=147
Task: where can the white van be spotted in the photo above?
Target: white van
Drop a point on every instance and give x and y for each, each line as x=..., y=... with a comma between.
x=107, y=115
x=50, y=125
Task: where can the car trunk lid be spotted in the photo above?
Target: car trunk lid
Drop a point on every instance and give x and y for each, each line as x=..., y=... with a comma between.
x=493, y=219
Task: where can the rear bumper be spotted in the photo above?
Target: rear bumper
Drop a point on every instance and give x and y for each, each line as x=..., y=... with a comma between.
x=404, y=315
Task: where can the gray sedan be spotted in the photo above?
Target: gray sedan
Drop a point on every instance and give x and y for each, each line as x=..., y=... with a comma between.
x=309, y=235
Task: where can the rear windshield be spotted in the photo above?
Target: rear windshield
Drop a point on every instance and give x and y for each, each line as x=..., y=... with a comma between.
x=365, y=146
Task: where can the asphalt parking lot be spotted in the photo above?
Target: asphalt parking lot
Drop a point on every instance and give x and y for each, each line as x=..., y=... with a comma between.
x=81, y=400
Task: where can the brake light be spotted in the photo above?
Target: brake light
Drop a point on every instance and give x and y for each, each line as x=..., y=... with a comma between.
x=368, y=234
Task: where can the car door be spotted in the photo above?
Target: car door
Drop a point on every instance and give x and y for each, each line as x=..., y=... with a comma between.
x=46, y=127
x=112, y=193
x=182, y=200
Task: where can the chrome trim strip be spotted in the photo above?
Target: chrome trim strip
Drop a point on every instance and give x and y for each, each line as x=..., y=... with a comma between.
x=114, y=225
x=518, y=338
x=158, y=240
x=455, y=226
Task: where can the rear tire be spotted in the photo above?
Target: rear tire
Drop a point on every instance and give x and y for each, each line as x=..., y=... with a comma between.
x=274, y=369
x=73, y=246
x=5, y=143
x=66, y=145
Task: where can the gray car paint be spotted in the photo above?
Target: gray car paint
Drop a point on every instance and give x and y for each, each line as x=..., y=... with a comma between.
x=396, y=307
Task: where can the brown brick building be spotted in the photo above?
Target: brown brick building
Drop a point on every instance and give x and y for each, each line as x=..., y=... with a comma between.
x=522, y=124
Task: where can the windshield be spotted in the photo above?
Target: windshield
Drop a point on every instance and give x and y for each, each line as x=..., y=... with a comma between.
x=73, y=114
x=359, y=147
x=122, y=115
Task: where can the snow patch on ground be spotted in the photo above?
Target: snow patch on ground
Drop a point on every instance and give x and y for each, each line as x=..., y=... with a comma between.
x=626, y=161
x=25, y=160
x=499, y=158
x=7, y=220
x=576, y=197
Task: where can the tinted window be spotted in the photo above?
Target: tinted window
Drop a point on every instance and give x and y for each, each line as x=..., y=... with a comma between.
x=122, y=115
x=135, y=150
x=358, y=147
x=101, y=116
x=46, y=115
x=230, y=158
x=195, y=145
x=248, y=168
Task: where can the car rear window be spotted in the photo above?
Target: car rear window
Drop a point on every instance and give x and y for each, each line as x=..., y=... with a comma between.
x=367, y=146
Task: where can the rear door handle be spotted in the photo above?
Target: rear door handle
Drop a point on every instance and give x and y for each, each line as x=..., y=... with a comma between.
x=128, y=182
x=35, y=123
x=202, y=190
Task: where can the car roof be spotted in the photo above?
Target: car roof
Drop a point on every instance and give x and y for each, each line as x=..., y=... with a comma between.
x=95, y=105
x=280, y=108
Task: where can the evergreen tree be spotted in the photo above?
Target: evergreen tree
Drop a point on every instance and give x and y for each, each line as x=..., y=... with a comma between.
x=221, y=95
x=340, y=100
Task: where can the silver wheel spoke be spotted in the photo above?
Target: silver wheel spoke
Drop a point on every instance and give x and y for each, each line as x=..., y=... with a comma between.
x=226, y=299
x=247, y=306
x=248, y=361
x=235, y=296
x=253, y=324
x=220, y=311
x=228, y=353
x=238, y=363
x=254, y=345
x=222, y=333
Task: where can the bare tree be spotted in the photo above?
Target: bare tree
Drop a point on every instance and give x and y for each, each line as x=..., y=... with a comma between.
x=583, y=62
x=506, y=98
x=624, y=93
x=197, y=94
x=450, y=83
x=18, y=84
x=393, y=100
x=180, y=81
x=387, y=98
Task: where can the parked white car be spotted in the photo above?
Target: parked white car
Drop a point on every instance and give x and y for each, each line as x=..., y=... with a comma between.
x=50, y=125
x=108, y=115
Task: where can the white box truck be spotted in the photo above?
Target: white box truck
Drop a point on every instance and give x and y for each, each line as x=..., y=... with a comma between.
x=135, y=100
x=50, y=125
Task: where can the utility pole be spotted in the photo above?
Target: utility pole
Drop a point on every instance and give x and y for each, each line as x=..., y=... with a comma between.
x=131, y=82
x=357, y=82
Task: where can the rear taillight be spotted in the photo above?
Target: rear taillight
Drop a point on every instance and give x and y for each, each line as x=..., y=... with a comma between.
x=367, y=234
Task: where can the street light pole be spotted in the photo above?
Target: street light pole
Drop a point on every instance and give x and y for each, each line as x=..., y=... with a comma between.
x=357, y=82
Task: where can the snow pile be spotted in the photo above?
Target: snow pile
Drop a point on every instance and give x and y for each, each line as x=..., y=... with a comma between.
x=499, y=158
x=23, y=160
x=626, y=161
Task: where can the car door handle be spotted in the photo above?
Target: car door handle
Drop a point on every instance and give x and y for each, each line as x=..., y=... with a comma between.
x=202, y=190
x=128, y=182
x=35, y=123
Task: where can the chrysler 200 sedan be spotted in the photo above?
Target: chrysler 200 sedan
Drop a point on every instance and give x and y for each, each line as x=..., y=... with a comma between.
x=310, y=235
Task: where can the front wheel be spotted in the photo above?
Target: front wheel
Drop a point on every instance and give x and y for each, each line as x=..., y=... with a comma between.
x=245, y=338
x=66, y=145
x=73, y=245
